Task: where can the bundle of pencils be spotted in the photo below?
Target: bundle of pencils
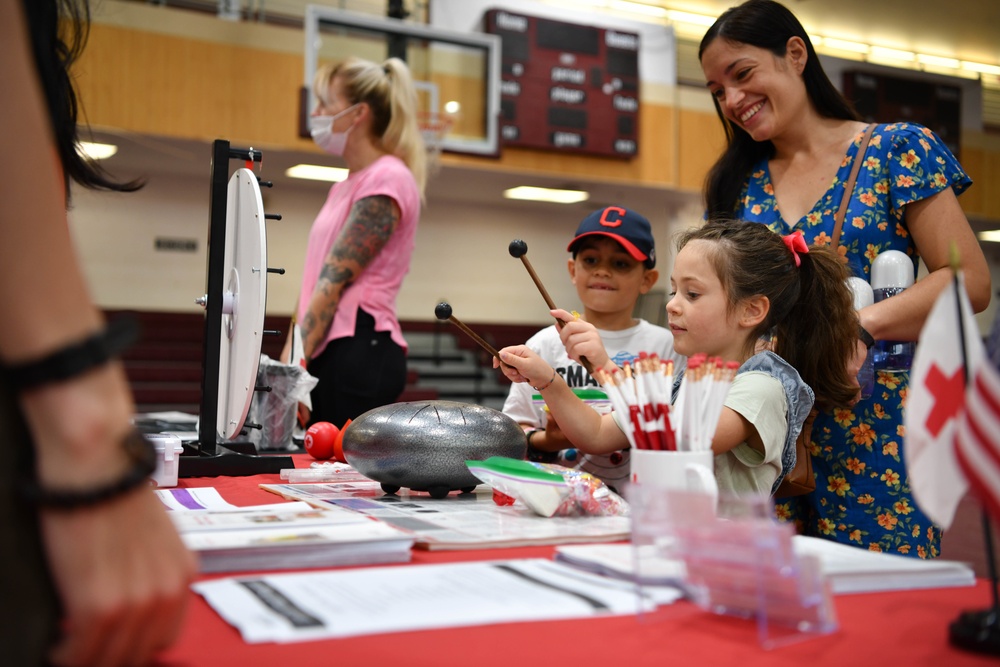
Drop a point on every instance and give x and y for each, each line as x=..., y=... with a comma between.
x=642, y=390
x=700, y=400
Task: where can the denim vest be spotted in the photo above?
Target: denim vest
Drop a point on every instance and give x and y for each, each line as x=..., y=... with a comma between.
x=798, y=395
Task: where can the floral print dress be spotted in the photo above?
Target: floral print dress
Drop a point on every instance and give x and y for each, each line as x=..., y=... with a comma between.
x=862, y=494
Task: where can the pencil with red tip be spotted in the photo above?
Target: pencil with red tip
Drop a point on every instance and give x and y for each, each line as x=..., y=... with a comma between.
x=611, y=383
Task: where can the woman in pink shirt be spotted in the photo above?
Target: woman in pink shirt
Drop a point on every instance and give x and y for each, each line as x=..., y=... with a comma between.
x=362, y=240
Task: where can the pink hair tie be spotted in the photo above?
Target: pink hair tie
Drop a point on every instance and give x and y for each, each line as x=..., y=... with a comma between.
x=796, y=244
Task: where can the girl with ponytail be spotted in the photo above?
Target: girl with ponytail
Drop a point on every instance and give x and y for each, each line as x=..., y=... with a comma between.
x=780, y=309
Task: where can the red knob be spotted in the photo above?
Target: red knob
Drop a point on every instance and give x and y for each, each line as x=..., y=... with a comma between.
x=338, y=444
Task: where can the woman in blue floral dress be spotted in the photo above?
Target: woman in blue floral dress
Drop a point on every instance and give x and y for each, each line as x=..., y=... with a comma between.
x=792, y=139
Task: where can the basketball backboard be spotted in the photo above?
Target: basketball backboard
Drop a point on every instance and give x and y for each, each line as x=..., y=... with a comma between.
x=457, y=74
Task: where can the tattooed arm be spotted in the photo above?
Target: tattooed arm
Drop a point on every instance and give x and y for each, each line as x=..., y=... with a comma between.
x=371, y=222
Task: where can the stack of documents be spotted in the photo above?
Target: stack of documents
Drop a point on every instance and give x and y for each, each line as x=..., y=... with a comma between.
x=857, y=570
x=288, y=535
x=847, y=569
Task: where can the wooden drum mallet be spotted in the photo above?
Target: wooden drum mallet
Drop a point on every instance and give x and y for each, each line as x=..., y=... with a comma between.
x=443, y=312
x=519, y=249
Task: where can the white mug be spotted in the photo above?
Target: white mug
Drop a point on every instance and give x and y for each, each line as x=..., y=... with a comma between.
x=676, y=471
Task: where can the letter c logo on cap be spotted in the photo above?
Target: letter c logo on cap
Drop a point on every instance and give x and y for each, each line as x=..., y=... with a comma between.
x=612, y=216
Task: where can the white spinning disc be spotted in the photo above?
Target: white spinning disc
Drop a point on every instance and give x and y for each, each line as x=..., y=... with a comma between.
x=243, y=301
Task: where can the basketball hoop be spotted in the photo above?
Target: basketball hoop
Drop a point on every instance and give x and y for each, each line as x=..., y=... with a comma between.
x=434, y=127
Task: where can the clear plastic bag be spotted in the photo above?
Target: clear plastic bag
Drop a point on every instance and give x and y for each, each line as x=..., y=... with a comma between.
x=549, y=489
x=275, y=410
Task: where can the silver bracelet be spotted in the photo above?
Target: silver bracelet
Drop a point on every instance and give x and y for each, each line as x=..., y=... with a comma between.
x=547, y=384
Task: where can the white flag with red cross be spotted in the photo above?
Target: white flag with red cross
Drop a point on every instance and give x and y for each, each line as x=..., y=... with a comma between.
x=936, y=402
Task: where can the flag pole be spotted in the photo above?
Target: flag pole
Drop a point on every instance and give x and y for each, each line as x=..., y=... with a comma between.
x=975, y=630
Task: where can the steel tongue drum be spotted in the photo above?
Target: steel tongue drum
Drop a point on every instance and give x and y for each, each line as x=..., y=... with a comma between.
x=423, y=445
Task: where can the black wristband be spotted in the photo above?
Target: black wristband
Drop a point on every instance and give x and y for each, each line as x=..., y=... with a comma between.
x=74, y=359
x=866, y=337
x=538, y=455
x=142, y=458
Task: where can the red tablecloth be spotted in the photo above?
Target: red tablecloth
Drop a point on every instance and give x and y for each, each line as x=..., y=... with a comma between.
x=908, y=628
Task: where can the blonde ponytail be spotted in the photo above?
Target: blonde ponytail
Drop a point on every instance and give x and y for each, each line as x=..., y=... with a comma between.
x=402, y=137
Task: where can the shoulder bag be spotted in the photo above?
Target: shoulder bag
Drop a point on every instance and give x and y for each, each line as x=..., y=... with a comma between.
x=800, y=479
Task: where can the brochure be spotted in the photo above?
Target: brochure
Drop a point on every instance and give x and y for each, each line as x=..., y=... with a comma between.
x=296, y=536
x=364, y=601
x=848, y=569
x=458, y=521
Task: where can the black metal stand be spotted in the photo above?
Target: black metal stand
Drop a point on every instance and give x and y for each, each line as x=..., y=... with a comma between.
x=230, y=462
x=209, y=458
x=979, y=631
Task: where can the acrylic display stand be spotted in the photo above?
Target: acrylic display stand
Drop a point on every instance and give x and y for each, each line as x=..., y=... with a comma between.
x=234, y=322
x=738, y=562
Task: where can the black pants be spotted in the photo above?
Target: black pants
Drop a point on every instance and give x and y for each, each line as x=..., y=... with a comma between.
x=29, y=607
x=357, y=374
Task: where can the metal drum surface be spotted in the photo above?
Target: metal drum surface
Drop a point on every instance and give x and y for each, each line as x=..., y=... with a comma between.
x=423, y=445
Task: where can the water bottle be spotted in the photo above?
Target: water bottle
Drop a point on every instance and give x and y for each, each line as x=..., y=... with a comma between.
x=892, y=272
x=864, y=296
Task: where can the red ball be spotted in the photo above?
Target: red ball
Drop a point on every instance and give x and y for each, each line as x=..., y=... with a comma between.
x=320, y=439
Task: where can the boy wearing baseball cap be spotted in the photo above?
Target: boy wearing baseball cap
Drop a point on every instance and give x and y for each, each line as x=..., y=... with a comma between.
x=613, y=260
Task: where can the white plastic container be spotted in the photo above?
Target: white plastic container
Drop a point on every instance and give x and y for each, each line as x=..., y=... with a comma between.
x=864, y=296
x=892, y=272
x=168, y=451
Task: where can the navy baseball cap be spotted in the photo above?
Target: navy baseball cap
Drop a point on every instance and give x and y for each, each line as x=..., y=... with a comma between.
x=630, y=229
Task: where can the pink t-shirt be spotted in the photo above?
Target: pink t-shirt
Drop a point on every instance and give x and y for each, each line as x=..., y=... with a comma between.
x=376, y=288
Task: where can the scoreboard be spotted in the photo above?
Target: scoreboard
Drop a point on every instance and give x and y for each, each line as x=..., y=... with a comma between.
x=880, y=98
x=567, y=87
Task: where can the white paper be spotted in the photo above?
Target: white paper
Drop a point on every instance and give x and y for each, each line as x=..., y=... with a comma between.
x=315, y=605
x=619, y=561
x=289, y=515
x=856, y=570
x=458, y=521
x=848, y=569
x=208, y=499
x=169, y=416
x=287, y=536
x=186, y=500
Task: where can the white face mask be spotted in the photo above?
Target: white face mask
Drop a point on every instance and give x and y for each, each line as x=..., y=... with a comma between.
x=321, y=128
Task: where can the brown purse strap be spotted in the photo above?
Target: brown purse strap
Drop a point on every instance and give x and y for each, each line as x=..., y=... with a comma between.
x=838, y=219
